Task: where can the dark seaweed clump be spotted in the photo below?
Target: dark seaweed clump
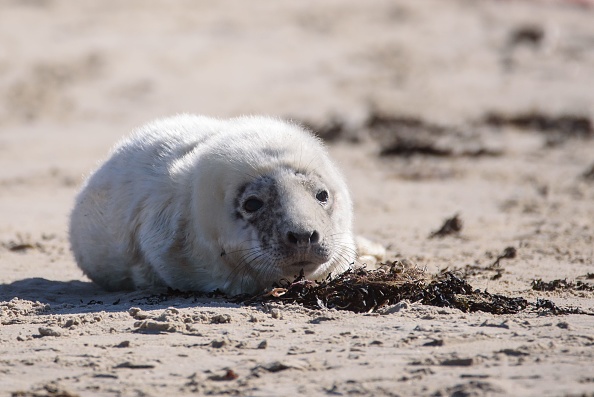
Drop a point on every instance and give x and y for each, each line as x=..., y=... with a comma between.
x=408, y=136
x=539, y=285
x=450, y=226
x=557, y=128
x=364, y=291
x=545, y=305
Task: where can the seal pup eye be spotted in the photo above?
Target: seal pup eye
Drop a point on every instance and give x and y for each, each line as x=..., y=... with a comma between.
x=322, y=196
x=253, y=204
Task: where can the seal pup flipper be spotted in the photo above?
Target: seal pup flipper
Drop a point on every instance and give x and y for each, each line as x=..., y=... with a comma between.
x=369, y=253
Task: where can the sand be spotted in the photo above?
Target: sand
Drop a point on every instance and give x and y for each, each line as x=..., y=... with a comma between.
x=485, y=110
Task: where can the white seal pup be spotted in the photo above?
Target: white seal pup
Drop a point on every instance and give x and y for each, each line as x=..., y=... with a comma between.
x=197, y=204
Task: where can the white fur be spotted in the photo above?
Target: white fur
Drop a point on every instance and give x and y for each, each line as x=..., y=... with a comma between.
x=160, y=210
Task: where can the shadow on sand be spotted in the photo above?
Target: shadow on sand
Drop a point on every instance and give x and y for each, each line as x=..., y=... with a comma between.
x=75, y=296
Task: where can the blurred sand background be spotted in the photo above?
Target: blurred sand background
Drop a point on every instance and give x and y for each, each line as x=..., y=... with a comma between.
x=492, y=100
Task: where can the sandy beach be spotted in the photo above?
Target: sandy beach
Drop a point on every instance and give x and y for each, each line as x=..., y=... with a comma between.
x=432, y=109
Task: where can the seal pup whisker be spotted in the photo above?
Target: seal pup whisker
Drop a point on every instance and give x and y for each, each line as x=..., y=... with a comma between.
x=243, y=249
x=244, y=264
x=345, y=255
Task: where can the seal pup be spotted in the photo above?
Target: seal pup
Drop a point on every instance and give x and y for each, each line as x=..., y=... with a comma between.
x=197, y=204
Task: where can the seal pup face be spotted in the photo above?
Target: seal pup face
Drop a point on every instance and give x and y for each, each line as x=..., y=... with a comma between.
x=267, y=202
x=290, y=224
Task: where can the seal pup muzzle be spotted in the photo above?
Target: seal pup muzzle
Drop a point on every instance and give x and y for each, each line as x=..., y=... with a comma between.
x=197, y=204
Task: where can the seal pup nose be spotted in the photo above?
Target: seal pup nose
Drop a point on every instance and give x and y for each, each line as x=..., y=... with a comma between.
x=303, y=239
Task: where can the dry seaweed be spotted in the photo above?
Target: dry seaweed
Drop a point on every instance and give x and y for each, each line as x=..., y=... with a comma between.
x=364, y=291
x=539, y=285
x=407, y=136
x=547, y=306
x=531, y=35
x=508, y=253
x=20, y=247
x=566, y=125
x=450, y=226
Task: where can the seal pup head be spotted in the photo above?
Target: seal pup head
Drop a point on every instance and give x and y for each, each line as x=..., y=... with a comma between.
x=286, y=207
